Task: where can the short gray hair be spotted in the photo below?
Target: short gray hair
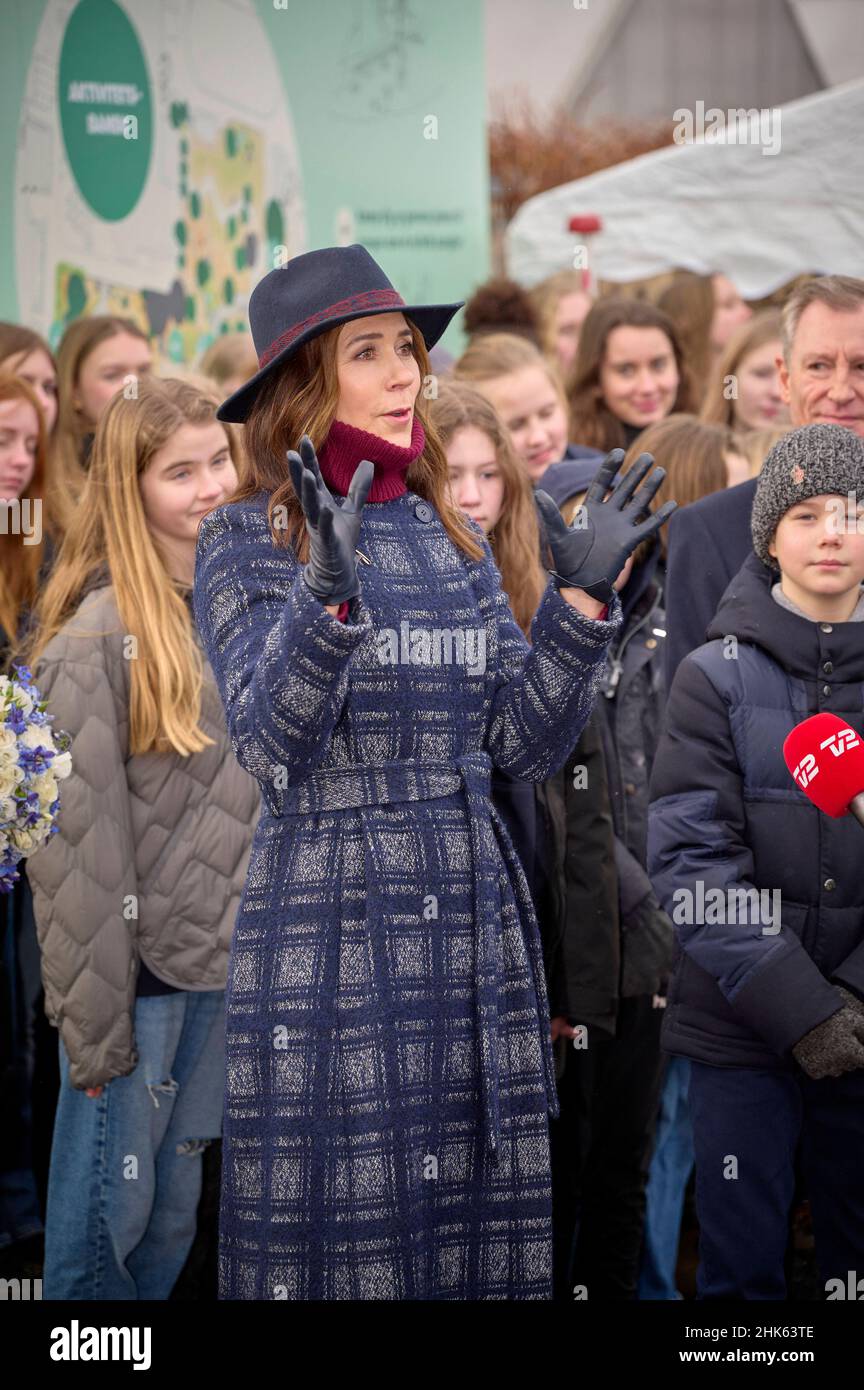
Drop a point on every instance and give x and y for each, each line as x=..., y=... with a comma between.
x=844, y=293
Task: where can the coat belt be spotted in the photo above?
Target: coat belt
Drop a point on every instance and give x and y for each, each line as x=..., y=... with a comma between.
x=374, y=784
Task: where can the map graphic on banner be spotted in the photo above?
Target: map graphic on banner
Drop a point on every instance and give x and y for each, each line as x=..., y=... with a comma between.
x=144, y=144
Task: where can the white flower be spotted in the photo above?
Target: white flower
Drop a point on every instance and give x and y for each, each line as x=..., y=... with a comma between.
x=8, y=740
x=8, y=757
x=62, y=765
x=8, y=807
x=24, y=700
x=23, y=839
x=9, y=779
x=45, y=785
x=40, y=830
x=36, y=736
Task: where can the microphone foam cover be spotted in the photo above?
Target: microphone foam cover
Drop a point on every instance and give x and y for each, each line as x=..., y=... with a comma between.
x=826, y=758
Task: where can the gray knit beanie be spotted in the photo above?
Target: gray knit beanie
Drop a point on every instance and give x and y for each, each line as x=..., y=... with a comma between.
x=807, y=462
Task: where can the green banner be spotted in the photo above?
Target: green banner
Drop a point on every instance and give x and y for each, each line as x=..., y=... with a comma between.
x=164, y=163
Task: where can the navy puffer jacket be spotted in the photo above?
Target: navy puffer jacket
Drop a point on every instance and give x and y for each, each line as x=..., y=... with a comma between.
x=724, y=810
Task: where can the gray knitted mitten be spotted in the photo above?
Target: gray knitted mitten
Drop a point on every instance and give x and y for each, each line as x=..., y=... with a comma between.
x=834, y=1046
x=851, y=999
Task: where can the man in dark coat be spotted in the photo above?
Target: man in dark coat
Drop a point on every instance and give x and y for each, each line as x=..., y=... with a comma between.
x=821, y=379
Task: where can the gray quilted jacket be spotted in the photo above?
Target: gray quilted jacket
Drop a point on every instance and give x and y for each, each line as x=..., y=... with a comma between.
x=150, y=858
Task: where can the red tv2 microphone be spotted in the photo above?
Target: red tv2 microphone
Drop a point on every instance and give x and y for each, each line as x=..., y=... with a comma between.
x=826, y=758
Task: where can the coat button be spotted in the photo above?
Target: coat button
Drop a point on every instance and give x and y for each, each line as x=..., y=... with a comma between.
x=423, y=511
x=629, y=788
x=827, y=667
x=826, y=627
x=829, y=885
x=826, y=690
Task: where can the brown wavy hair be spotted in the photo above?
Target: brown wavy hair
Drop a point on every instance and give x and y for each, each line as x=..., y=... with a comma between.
x=301, y=398
x=20, y=564
x=591, y=421
x=109, y=531
x=515, y=537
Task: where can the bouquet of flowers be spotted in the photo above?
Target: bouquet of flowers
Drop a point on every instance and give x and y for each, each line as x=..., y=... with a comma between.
x=32, y=761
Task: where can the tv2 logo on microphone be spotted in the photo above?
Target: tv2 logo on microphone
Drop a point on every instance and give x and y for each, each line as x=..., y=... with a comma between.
x=839, y=743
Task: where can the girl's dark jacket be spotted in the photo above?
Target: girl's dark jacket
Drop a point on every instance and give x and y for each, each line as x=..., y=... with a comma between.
x=576, y=889
x=629, y=712
x=724, y=810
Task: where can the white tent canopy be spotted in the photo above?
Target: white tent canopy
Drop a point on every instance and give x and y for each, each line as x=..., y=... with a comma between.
x=719, y=204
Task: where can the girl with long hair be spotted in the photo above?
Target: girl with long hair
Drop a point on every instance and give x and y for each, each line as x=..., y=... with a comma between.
x=136, y=895
x=26, y=540
x=26, y=354
x=744, y=388
x=389, y=1063
x=26, y=549
x=630, y=372
x=698, y=459
x=97, y=357
x=526, y=391
x=561, y=301
x=706, y=311
x=489, y=484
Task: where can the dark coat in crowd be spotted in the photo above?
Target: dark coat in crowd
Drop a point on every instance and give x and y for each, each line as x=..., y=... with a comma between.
x=576, y=888
x=630, y=714
x=725, y=811
x=708, y=543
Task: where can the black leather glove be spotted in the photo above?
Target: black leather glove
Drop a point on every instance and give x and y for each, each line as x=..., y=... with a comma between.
x=330, y=572
x=591, y=552
x=833, y=1047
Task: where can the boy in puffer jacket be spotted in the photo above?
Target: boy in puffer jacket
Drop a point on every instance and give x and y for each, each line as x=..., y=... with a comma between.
x=766, y=1000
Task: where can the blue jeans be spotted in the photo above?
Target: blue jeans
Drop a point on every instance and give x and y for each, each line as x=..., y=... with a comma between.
x=125, y=1174
x=671, y=1166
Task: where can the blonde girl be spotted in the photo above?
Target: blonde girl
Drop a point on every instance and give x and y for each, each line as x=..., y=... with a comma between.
x=136, y=896
x=527, y=393
x=744, y=388
x=561, y=302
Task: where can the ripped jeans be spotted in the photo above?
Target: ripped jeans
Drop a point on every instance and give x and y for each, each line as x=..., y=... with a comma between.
x=125, y=1174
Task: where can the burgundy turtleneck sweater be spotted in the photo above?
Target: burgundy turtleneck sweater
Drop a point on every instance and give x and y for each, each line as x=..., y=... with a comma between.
x=346, y=446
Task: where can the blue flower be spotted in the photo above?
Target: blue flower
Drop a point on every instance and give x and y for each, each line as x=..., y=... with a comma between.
x=16, y=719
x=24, y=676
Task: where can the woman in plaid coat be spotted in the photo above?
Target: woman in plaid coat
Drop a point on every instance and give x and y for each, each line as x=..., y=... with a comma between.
x=389, y=1072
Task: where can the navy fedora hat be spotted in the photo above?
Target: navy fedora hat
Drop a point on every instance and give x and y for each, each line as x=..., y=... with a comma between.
x=314, y=292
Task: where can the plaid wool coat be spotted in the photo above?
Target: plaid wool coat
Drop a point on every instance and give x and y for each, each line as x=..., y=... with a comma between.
x=389, y=1069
